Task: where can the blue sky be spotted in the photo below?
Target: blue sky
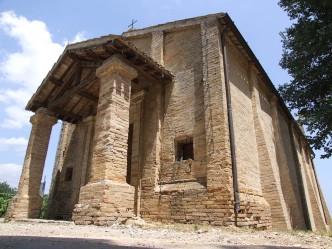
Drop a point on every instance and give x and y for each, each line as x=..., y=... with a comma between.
x=34, y=33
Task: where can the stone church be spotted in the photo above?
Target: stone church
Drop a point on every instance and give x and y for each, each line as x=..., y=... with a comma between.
x=177, y=122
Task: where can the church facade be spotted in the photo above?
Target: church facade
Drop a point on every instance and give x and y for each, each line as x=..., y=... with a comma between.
x=174, y=123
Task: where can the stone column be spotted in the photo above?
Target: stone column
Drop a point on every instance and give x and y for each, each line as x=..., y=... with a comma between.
x=107, y=198
x=88, y=134
x=136, y=162
x=27, y=202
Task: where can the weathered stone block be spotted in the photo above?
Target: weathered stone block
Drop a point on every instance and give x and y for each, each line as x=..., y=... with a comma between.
x=99, y=210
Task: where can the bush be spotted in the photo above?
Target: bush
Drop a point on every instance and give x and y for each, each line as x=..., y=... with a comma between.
x=6, y=193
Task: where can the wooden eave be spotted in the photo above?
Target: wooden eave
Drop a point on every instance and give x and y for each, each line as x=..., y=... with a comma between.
x=70, y=88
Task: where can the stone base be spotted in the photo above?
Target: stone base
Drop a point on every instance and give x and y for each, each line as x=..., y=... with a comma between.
x=24, y=207
x=255, y=212
x=104, y=203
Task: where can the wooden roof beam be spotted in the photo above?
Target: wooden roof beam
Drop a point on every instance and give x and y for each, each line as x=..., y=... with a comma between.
x=91, y=78
x=88, y=96
x=90, y=64
x=56, y=81
x=62, y=89
x=78, y=75
x=74, y=57
x=70, y=117
x=109, y=50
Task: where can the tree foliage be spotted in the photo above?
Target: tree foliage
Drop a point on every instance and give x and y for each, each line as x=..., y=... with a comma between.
x=307, y=55
x=6, y=193
x=43, y=207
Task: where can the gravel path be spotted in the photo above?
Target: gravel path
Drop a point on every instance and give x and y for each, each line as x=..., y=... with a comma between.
x=37, y=234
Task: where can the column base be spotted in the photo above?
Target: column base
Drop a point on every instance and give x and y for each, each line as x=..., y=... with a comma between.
x=104, y=203
x=255, y=212
x=24, y=207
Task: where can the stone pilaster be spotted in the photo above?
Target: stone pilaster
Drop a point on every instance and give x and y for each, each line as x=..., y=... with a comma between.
x=107, y=198
x=282, y=164
x=27, y=202
x=219, y=165
x=218, y=154
x=157, y=46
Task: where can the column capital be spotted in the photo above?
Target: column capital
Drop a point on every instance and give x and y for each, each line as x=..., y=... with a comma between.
x=115, y=64
x=89, y=119
x=138, y=97
x=44, y=116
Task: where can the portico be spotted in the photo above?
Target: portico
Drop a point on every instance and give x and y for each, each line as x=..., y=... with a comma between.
x=89, y=88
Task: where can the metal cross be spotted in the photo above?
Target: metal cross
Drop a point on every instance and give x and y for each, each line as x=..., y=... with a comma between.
x=132, y=24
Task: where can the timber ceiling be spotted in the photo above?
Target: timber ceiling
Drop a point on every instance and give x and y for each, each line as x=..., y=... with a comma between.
x=71, y=88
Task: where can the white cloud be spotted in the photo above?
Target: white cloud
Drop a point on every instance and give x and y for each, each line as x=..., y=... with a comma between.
x=10, y=172
x=15, y=101
x=24, y=70
x=16, y=116
x=19, y=96
x=80, y=36
x=30, y=65
x=18, y=143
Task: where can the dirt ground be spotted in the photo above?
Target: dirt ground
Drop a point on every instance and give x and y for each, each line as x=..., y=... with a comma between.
x=37, y=234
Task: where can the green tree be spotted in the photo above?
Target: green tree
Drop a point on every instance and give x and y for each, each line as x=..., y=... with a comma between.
x=6, y=193
x=307, y=56
x=43, y=208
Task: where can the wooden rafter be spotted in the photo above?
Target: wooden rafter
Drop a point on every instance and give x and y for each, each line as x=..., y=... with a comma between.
x=91, y=78
x=88, y=96
x=56, y=81
x=76, y=103
x=75, y=57
x=65, y=80
x=78, y=75
x=109, y=50
x=90, y=64
x=91, y=54
x=67, y=116
x=60, y=90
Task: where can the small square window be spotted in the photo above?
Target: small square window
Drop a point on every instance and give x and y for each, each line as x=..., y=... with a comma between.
x=184, y=149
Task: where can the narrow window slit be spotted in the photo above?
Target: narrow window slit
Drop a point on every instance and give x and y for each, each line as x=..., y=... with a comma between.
x=184, y=149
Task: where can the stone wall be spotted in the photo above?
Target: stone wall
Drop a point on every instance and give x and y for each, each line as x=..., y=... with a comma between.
x=143, y=43
x=241, y=75
x=180, y=167
x=184, y=107
x=270, y=175
x=199, y=189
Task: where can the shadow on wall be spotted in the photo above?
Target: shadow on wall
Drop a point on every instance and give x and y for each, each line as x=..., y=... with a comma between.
x=31, y=242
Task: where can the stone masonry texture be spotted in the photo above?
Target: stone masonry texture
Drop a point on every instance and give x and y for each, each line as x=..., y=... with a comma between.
x=160, y=149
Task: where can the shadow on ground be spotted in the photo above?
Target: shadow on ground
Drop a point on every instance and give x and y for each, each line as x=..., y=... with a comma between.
x=31, y=242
